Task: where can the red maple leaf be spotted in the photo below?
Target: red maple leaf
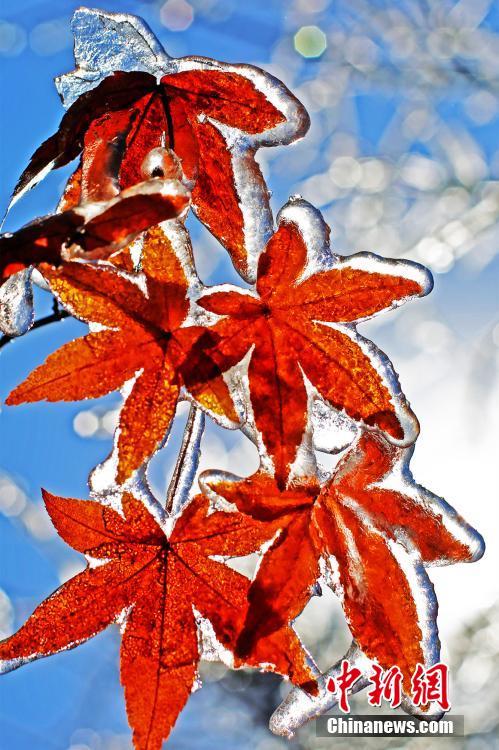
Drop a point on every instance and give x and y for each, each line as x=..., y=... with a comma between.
x=156, y=579
x=92, y=229
x=213, y=115
x=143, y=338
x=282, y=322
x=363, y=523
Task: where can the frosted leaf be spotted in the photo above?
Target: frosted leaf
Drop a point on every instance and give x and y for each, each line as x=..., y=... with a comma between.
x=91, y=230
x=298, y=333
x=422, y=530
x=214, y=115
x=369, y=522
x=299, y=707
x=16, y=304
x=154, y=581
x=157, y=365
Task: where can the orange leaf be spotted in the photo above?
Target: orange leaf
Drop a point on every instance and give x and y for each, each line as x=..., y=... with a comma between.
x=144, y=339
x=117, y=123
x=283, y=324
x=151, y=405
x=156, y=580
x=92, y=229
x=215, y=197
x=379, y=537
x=228, y=96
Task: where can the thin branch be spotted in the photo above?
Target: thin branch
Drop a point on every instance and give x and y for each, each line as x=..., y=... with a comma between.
x=41, y=323
x=187, y=461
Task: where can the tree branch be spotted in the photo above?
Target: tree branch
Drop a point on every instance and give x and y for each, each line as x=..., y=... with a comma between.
x=41, y=323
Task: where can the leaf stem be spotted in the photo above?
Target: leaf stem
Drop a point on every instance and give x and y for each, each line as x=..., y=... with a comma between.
x=187, y=462
x=41, y=323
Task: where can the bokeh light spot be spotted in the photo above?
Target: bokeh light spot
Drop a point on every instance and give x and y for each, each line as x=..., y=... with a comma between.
x=12, y=39
x=176, y=15
x=310, y=41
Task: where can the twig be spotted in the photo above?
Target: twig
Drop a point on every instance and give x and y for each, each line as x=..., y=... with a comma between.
x=187, y=462
x=41, y=323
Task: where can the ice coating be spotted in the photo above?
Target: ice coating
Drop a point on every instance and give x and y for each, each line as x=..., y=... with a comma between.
x=389, y=377
x=315, y=232
x=253, y=194
x=210, y=647
x=16, y=304
x=105, y=42
x=187, y=461
x=298, y=707
x=105, y=489
x=332, y=430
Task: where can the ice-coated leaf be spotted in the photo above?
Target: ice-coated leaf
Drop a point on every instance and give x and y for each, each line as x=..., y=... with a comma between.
x=156, y=579
x=128, y=92
x=378, y=476
x=116, y=93
x=92, y=230
x=301, y=321
x=369, y=531
x=144, y=340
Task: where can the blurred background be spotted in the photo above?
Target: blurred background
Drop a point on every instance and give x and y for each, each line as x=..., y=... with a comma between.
x=403, y=159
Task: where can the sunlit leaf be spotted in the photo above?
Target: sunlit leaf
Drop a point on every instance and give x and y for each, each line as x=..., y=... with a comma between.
x=156, y=580
x=286, y=323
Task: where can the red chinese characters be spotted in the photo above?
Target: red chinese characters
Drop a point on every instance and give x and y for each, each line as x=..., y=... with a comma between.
x=343, y=684
x=430, y=685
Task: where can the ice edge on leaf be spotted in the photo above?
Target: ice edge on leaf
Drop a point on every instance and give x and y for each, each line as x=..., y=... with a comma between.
x=401, y=479
x=385, y=369
x=315, y=233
